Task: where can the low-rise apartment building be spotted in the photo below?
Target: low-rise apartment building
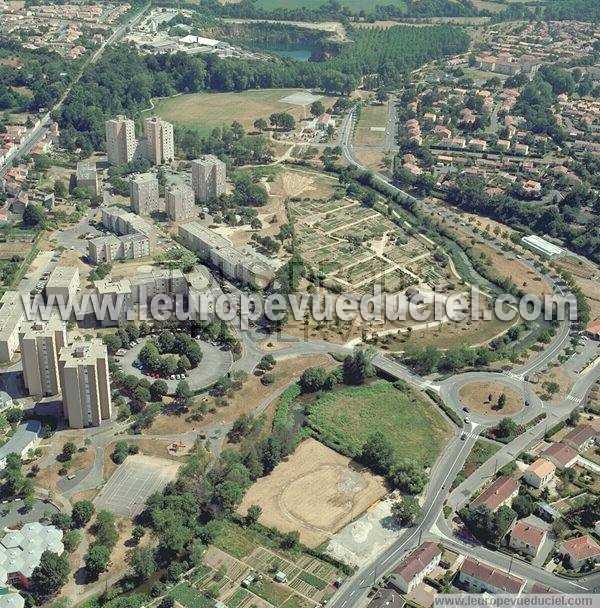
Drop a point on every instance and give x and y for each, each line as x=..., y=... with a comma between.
x=480, y=577
x=234, y=264
x=120, y=221
x=415, y=567
x=501, y=492
x=63, y=283
x=110, y=247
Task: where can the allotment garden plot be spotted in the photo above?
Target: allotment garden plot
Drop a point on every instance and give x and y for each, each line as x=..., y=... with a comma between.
x=354, y=247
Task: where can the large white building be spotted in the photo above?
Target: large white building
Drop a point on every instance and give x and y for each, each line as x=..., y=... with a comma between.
x=122, y=222
x=85, y=383
x=143, y=193
x=121, y=144
x=63, y=283
x=110, y=247
x=208, y=178
x=159, y=145
x=234, y=264
x=11, y=319
x=41, y=342
x=179, y=203
x=21, y=551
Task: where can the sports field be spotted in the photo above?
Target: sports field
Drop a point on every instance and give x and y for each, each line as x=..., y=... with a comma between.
x=369, y=130
x=344, y=419
x=205, y=111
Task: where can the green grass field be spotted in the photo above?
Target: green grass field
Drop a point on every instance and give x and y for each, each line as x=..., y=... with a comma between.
x=371, y=116
x=344, y=419
x=205, y=111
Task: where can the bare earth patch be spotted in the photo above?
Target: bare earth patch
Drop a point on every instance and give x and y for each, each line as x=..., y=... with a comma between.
x=476, y=396
x=315, y=491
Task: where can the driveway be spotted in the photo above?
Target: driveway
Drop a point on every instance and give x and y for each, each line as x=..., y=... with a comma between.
x=215, y=363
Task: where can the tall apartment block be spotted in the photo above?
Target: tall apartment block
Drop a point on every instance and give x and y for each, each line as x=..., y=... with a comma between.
x=179, y=202
x=121, y=144
x=41, y=342
x=143, y=192
x=208, y=178
x=11, y=319
x=84, y=379
x=158, y=144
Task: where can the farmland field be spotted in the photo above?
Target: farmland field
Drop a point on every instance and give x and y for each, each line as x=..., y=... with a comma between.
x=205, y=111
x=344, y=419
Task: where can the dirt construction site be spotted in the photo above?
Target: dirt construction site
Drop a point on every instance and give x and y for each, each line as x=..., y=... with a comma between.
x=316, y=491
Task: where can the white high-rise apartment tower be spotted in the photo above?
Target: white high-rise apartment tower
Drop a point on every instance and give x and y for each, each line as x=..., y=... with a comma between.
x=208, y=178
x=121, y=144
x=40, y=343
x=84, y=379
x=159, y=146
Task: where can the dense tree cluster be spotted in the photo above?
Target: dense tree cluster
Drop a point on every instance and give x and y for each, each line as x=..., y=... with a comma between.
x=489, y=527
x=123, y=81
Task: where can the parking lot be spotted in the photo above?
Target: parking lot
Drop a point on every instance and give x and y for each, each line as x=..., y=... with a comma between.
x=126, y=492
x=215, y=363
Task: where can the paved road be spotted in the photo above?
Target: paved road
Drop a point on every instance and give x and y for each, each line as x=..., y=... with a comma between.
x=38, y=132
x=432, y=523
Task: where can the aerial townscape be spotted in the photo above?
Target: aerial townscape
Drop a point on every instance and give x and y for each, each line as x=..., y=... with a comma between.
x=299, y=303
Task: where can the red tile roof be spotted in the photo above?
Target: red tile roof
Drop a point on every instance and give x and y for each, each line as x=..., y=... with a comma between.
x=580, y=434
x=496, y=578
x=497, y=493
x=416, y=561
x=582, y=547
x=561, y=453
x=527, y=533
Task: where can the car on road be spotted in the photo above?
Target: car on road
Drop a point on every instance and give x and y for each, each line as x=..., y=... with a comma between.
x=466, y=409
x=467, y=420
x=463, y=436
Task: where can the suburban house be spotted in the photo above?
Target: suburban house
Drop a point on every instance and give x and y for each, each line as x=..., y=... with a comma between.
x=415, y=567
x=593, y=330
x=561, y=455
x=581, y=550
x=581, y=437
x=386, y=597
x=526, y=538
x=500, y=493
x=539, y=473
x=482, y=577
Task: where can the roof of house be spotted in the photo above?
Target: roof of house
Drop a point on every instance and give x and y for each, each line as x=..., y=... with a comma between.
x=417, y=560
x=594, y=326
x=526, y=533
x=562, y=453
x=582, y=547
x=580, y=434
x=541, y=467
x=491, y=576
x=385, y=597
x=497, y=493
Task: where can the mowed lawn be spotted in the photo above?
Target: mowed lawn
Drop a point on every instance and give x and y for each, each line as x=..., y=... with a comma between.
x=205, y=111
x=344, y=419
x=371, y=116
